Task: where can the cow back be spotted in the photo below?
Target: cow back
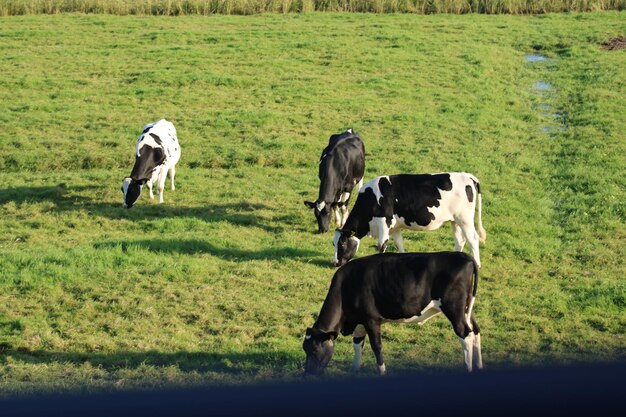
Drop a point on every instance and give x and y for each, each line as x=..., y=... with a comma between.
x=341, y=163
x=395, y=286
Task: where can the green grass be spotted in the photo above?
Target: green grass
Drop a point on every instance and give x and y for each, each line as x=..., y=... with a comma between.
x=247, y=7
x=218, y=284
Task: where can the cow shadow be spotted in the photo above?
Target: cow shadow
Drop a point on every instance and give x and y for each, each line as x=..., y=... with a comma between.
x=68, y=199
x=56, y=194
x=196, y=246
x=202, y=362
x=64, y=198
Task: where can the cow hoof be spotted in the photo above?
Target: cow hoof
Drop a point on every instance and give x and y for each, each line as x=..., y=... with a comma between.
x=382, y=370
x=358, y=368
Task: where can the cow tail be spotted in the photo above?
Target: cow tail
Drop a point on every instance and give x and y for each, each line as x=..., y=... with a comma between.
x=471, y=298
x=475, y=280
x=482, y=233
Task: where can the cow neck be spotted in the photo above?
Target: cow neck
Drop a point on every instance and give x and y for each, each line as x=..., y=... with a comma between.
x=353, y=226
x=331, y=316
x=141, y=171
x=139, y=175
x=145, y=164
x=328, y=189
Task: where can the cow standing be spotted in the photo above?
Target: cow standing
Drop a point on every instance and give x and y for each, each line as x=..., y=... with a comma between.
x=341, y=167
x=388, y=204
x=157, y=150
x=397, y=287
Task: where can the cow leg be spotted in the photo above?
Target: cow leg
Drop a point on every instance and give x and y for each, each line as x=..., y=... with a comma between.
x=472, y=238
x=345, y=197
x=344, y=215
x=337, y=216
x=358, y=185
x=373, y=229
x=172, y=175
x=467, y=343
x=383, y=233
x=161, y=184
x=478, y=356
x=455, y=312
x=459, y=238
x=373, y=331
x=358, y=342
x=149, y=184
x=397, y=239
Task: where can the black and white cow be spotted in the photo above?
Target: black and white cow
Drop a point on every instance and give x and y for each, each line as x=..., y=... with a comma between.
x=395, y=287
x=388, y=204
x=341, y=168
x=157, y=150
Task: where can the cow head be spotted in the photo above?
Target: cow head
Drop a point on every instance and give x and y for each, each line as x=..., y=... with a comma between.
x=322, y=214
x=319, y=347
x=346, y=245
x=132, y=190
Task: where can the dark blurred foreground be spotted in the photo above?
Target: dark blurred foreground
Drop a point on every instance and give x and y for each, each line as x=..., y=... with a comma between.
x=592, y=391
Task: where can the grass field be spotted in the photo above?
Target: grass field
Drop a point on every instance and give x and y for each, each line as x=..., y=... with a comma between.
x=218, y=284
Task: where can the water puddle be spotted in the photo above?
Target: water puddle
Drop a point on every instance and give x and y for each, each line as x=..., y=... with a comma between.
x=542, y=86
x=552, y=130
x=544, y=90
x=532, y=58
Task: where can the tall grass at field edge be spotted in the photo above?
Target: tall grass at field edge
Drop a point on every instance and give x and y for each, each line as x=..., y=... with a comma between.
x=248, y=7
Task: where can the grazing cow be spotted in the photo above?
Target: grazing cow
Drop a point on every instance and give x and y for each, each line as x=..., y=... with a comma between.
x=397, y=287
x=157, y=150
x=388, y=204
x=342, y=165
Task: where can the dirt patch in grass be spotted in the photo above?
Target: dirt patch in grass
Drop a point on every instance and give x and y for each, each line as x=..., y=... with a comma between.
x=615, y=44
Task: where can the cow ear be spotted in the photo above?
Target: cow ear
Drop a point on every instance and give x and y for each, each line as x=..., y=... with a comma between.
x=331, y=335
x=309, y=204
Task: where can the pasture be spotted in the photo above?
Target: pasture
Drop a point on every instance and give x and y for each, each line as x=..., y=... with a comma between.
x=217, y=285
